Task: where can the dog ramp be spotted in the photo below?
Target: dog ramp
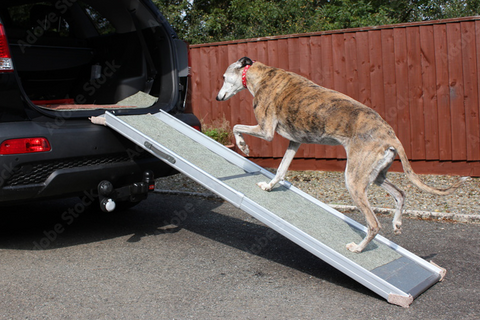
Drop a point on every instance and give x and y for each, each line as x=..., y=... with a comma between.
x=389, y=270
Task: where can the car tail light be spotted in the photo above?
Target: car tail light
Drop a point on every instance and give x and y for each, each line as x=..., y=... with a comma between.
x=5, y=57
x=24, y=145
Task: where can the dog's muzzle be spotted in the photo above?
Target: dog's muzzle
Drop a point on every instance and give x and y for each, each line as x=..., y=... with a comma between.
x=224, y=95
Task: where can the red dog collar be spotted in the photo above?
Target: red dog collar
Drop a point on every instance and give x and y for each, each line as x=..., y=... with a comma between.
x=244, y=74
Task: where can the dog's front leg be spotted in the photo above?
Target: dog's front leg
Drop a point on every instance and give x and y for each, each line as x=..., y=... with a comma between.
x=255, y=131
x=283, y=168
x=239, y=139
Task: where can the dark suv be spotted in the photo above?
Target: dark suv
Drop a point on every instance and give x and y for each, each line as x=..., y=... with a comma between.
x=63, y=61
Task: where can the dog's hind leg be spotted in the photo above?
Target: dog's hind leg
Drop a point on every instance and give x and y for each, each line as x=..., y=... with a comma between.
x=363, y=169
x=392, y=189
x=358, y=192
x=399, y=197
x=283, y=168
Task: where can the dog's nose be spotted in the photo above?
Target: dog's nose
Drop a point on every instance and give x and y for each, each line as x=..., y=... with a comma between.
x=218, y=98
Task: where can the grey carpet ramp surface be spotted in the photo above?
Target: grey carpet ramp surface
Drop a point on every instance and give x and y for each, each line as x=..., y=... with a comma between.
x=286, y=204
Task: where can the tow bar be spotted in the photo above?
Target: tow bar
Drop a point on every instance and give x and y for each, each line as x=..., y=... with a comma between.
x=108, y=195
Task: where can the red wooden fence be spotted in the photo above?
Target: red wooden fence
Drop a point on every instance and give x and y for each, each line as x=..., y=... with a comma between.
x=423, y=78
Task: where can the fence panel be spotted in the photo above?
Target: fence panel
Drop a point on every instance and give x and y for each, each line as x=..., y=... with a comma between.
x=427, y=48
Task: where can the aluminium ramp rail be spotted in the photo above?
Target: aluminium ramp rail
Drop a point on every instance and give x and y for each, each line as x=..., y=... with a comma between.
x=384, y=267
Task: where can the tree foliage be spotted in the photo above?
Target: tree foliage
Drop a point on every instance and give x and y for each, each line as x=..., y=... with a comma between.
x=201, y=21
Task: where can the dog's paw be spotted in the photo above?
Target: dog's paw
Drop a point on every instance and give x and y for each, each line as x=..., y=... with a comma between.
x=397, y=226
x=244, y=148
x=353, y=247
x=397, y=229
x=264, y=186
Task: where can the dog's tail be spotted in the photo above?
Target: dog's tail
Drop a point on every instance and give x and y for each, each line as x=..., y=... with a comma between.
x=412, y=176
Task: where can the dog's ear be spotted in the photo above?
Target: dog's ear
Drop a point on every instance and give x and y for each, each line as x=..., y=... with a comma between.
x=245, y=61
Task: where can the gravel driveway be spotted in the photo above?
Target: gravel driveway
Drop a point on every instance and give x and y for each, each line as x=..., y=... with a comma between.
x=329, y=187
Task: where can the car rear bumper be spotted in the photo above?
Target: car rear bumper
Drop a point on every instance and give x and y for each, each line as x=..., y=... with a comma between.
x=73, y=181
x=82, y=155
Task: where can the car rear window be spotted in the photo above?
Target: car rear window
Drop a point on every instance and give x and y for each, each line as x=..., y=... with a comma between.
x=47, y=18
x=41, y=18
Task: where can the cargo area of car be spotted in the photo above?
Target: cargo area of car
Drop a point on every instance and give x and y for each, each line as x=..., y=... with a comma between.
x=81, y=56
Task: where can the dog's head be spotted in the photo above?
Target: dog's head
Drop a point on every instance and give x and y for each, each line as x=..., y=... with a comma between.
x=232, y=79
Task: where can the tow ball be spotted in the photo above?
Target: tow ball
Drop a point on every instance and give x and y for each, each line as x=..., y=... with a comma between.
x=108, y=196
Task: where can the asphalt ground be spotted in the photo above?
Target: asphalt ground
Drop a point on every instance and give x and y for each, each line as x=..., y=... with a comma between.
x=179, y=257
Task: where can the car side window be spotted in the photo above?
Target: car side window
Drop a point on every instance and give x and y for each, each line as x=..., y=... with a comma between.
x=101, y=23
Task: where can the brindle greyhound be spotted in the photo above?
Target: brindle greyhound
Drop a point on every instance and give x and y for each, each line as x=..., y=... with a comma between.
x=305, y=112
